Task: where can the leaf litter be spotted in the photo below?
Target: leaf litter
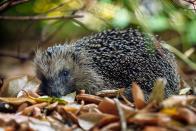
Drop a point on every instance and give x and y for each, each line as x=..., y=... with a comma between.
x=25, y=110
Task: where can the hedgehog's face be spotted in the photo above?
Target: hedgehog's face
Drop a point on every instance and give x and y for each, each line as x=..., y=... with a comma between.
x=58, y=85
x=59, y=69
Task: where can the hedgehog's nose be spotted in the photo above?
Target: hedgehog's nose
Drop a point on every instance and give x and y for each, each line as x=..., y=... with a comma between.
x=55, y=94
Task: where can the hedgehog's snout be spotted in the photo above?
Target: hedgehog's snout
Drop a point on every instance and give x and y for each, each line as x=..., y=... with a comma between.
x=58, y=85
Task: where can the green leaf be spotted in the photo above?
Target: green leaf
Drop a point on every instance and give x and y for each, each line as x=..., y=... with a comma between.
x=158, y=23
x=191, y=32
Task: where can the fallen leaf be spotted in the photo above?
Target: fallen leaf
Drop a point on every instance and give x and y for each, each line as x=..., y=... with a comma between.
x=110, y=93
x=158, y=90
x=181, y=114
x=37, y=113
x=89, y=120
x=138, y=96
x=16, y=101
x=48, y=99
x=112, y=127
x=178, y=100
x=123, y=123
x=70, y=98
x=73, y=107
x=34, y=124
x=108, y=106
x=149, y=118
x=154, y=128
x=89, y=98
x=12, y=86
x=89, y=107
x=22, y=107
x=28, y=111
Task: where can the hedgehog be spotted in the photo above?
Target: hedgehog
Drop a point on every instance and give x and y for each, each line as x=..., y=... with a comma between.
x=110, y=59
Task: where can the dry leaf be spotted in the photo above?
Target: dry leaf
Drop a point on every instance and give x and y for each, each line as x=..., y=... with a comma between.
x=12, y=86
x=150, y=118
x=158, y=90
x=29, y=110
x=33, y=123
x=48, y=99
x=138, y=96
x=73, y=107
x=154, y=128
x=89, y=98
x=70, y=98
x=181, y=114
x=89, y=120
x=16, y=101
x=112, y=127
x=178, y=100
x=108, y=106
x=89, y=107
x=110, y=93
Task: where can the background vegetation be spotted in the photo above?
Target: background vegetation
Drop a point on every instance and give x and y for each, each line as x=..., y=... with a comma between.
x=28, y=24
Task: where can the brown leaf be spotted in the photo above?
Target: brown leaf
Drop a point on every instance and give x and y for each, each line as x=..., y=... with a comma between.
x=154, y=128
x=89, y=98
x=59, y=126
x=67, y=115
x=149, y=119
x=24, y=93
x=22, y=107
x=74, y=107
x=181, y=113
x=89, y=107
x=138, y=96
x=37, y=113
x=106, y=120
x=110, y=93
x=158, y=91
x=16, y=101
x=34, y=124
x=108, y=106
x=57, y=116
x=12, y=86
x=52, y=106
x=89, y=120
x=178, y=100
x=29, y=110
x=187, y=115
x=112, y=127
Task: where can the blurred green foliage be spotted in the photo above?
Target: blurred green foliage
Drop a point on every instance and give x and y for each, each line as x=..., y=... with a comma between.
x=174, y=23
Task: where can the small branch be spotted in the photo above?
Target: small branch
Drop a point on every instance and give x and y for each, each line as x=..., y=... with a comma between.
x=21, y=57
x=10, y=3
x=121, y=114
x=180, y=55
x=36, y=18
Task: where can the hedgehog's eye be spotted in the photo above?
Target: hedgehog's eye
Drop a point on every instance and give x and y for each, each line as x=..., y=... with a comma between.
x=65, y=73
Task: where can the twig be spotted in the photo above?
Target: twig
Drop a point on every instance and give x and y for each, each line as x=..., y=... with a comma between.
x=38, y=17
x=180, y=55
x=121, y=114
x=21, y=57
x=10, y=3
x=53, y=9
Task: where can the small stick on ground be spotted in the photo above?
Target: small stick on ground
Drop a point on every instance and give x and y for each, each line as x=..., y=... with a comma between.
x=123, y=123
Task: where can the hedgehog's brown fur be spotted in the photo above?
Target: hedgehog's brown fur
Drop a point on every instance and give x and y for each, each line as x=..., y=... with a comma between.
x=110, y=59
